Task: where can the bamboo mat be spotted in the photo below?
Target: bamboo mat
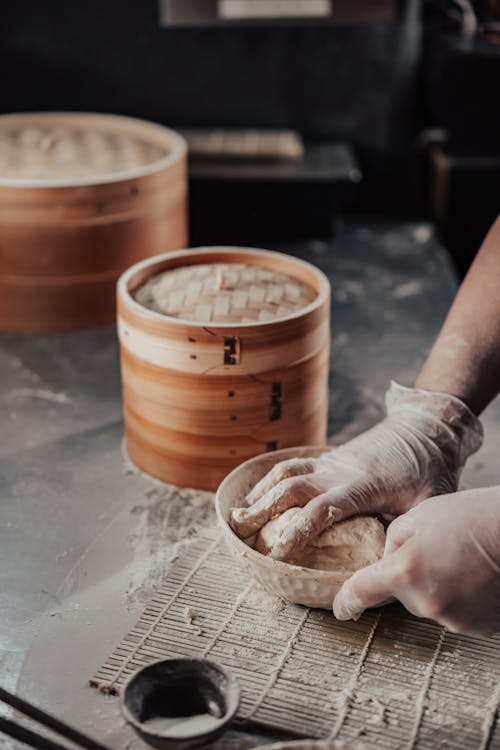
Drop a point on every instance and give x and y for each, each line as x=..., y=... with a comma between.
x=388, y=680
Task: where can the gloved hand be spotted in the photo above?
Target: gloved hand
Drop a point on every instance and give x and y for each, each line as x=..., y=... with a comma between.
x=416, y=452
x=442, y=561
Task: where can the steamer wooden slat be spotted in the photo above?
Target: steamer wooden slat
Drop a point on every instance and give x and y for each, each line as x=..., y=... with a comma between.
x=224, y=423
x=197, y=391
x=30, y=304
x=388, y=680
x=190, y=459
x=226, y=415
x=202, y=396
x=66, y=237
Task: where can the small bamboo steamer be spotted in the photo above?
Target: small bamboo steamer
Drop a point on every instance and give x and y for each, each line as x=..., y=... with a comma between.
x=201, y=397
x=65, y=240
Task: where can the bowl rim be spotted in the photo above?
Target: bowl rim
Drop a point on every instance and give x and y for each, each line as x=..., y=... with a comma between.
x=284, y=568
x=317, y=744
x=233, y=689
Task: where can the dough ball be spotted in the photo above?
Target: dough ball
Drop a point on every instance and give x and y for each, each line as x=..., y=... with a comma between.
x=346, y=546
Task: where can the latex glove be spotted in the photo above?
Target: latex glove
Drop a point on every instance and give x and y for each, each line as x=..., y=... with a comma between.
x=416, y=452
x=442, y=561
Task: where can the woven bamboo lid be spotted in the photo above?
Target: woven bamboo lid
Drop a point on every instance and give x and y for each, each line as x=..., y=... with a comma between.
x=61, y=149
x=51, y=151
x=224, y=293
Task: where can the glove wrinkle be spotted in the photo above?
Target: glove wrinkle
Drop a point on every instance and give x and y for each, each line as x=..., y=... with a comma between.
x=483, y=551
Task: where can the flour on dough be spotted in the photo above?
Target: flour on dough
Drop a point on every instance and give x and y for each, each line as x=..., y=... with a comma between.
x=346, y=546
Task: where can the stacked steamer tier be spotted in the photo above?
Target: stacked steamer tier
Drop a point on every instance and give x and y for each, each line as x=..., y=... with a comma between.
x=224, y=355
x=82, y=196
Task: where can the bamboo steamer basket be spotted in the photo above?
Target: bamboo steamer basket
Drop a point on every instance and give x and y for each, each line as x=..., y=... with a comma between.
x=65, y=239
x=201, y=397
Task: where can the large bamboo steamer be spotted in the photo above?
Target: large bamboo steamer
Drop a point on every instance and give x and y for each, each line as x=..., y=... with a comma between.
x=64, y=240
x=201, y=397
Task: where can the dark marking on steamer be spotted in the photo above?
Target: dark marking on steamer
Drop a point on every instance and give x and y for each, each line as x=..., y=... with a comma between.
x=231, y=350
x=275, y=409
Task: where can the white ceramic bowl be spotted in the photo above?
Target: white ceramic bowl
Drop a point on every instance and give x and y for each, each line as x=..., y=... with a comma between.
x=313, y=588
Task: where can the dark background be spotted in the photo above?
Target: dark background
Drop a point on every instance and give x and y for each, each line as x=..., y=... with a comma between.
x=415, y=97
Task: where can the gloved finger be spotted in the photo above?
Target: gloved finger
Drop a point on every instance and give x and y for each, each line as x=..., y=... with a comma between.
x=319, y=514
x=398, y=532
x=283, y=470
x=474, y=623
x=370, y=587
x=289, y=493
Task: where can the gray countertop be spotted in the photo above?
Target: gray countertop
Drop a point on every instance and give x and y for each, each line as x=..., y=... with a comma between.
x=84, y=538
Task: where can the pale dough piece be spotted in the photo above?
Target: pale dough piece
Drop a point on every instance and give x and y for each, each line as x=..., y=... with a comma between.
x=346, y=546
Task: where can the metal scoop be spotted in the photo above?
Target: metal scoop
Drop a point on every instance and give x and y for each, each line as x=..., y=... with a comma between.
x=181, y=703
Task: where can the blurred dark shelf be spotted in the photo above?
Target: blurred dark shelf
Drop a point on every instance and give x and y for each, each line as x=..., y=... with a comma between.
x=241, y=202
x=465, y=190
x=321, y=163
x=179, y=13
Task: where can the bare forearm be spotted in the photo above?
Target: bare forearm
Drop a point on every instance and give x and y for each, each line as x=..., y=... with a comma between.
x=465, y=359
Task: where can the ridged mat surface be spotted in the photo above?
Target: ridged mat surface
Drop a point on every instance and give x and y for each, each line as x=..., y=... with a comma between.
x=224, y=293
x=388, y=680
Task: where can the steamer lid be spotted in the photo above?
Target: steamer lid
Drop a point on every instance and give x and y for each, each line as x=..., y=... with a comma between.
x=224, y=293
x=47, y=151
